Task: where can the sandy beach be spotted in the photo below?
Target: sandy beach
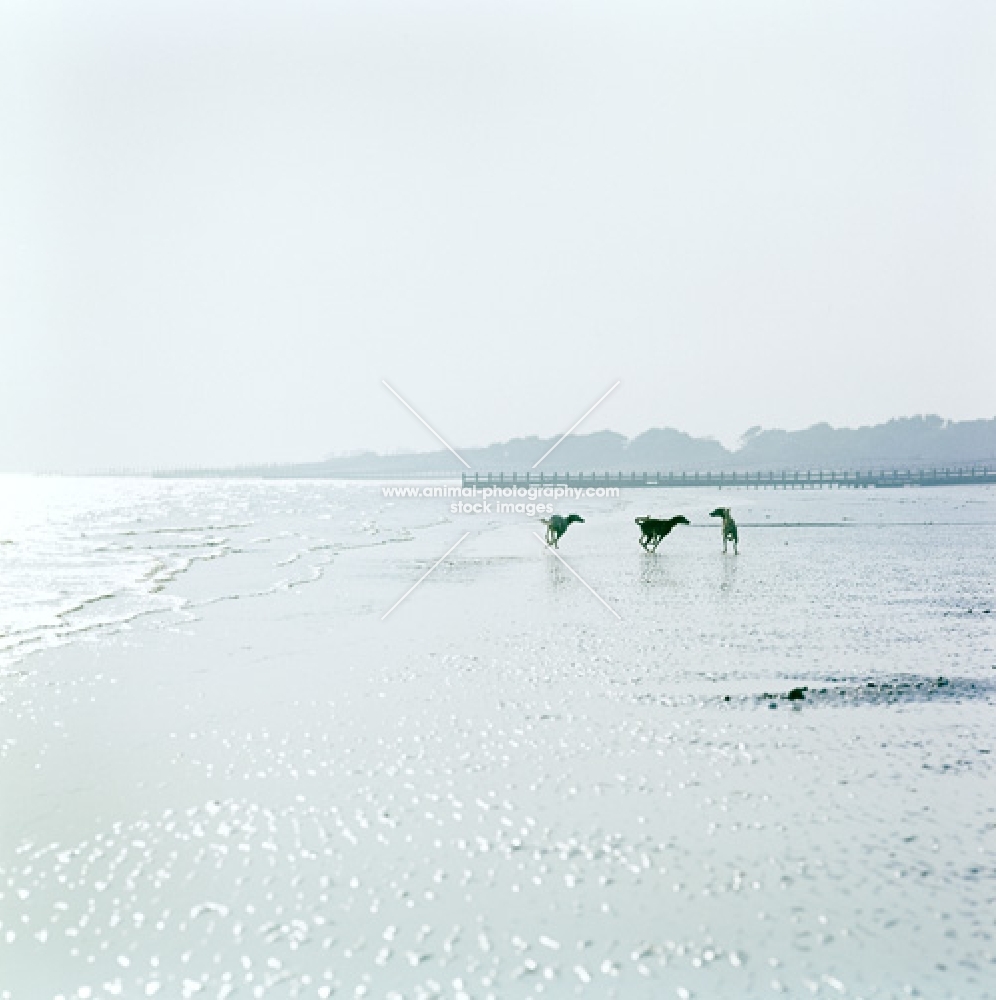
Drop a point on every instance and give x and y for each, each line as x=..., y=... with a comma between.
x=502, y=790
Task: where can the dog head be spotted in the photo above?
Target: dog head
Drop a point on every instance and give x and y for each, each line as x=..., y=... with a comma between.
x=571, y=518
x=681, y=519
x=642, y=520
x=721, y=512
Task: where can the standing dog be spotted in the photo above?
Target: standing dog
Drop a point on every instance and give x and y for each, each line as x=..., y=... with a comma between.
x=556, y=525
x=729, y=527
x=653, y=532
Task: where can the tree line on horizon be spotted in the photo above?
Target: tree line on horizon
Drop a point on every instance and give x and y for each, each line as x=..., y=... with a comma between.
x=921, y=441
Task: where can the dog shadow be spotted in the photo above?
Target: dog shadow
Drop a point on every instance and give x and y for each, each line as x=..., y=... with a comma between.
x=655, y=571
x=728, y=581
x=556, y=575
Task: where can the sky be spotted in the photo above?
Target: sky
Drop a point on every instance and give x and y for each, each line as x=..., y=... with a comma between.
x=223, y=225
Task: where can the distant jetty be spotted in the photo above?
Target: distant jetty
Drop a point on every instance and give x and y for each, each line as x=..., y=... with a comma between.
x=784, y=479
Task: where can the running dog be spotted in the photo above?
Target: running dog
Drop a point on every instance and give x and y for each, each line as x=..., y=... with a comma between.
x=557, y=525
x=653, y=532
x=729, y=527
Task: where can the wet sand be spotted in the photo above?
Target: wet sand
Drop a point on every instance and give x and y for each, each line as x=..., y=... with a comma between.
x=502, y=791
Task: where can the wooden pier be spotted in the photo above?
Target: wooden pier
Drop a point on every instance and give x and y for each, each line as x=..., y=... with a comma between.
x=785, y=479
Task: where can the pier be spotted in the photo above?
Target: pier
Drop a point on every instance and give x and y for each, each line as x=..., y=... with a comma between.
x=784, y=479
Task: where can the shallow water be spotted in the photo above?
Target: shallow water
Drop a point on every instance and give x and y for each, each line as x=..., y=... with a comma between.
x=502, y=790
x=82, y=557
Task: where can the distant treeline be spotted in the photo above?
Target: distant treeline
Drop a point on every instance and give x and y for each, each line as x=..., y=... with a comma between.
x=915, y=442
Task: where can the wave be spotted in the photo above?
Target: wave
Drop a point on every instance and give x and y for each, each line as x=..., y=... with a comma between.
x=85, y=556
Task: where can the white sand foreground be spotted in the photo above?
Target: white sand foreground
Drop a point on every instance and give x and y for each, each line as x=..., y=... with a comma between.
x=502, y=791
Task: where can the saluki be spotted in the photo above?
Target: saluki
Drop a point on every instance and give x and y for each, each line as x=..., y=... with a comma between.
x=556, y=525
x=653, y=531
x=729, y=527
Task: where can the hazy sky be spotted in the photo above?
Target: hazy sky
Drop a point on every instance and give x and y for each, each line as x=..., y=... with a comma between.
x=222, y=224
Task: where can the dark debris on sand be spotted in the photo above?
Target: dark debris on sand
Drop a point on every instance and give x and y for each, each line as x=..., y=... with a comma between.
x=836, y=692
x=888, y=691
